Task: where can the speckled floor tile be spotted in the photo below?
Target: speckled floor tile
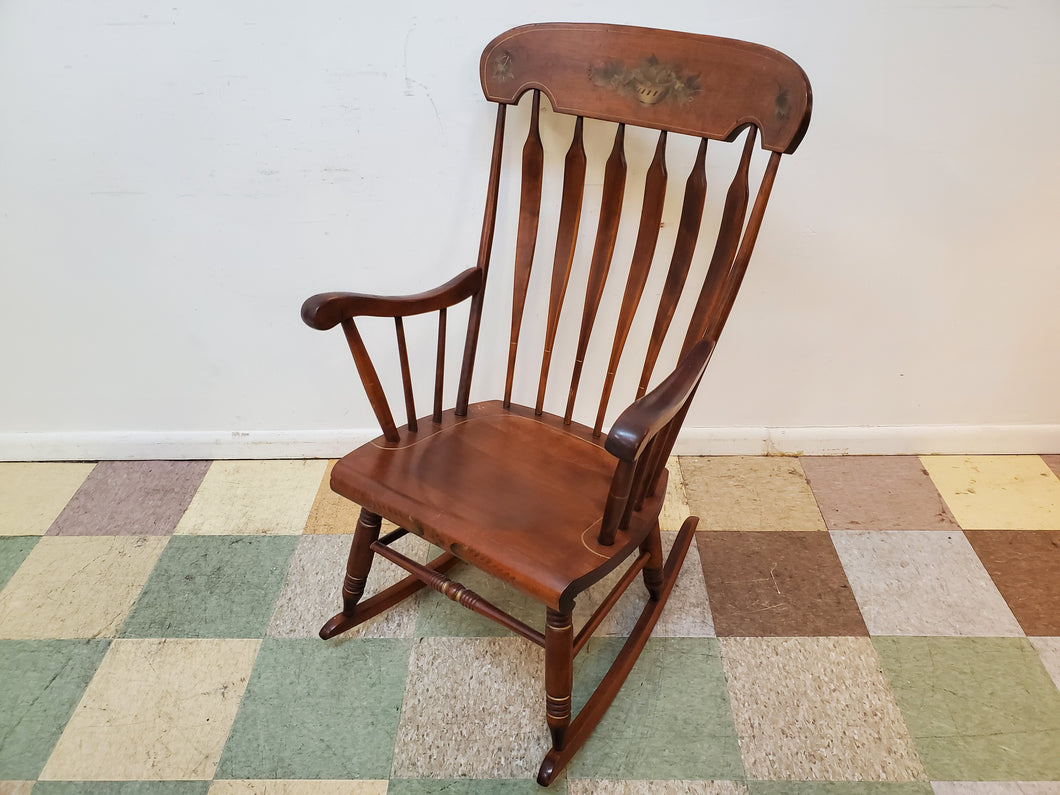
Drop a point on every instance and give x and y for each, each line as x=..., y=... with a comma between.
x=1002, y=492
x=335, y=720
x=785, y=584
x=1025, y=567
x=473, y=708
x=33, y=494
x=928, y=583
x=214, y=587
x=671, y=718
x=468, y=786
x=312, y=592
x=121, y=788
x=331, y=512
x=995, y=787
x=979, y=709
x=876, y=493
x=604, y=787
x=1049, y=651
x=839, y=787
x=675, y=505
x=16, y=787
x=750, y=493
x=816, y=709
x=131, y=498
x=77, y=587
x=298, y=787
x=254, y=497
x=41, y=682
x=13, y=550
x=156, y=709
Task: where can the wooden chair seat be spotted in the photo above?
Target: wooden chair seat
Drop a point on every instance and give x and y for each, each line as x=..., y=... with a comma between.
x=532, y=493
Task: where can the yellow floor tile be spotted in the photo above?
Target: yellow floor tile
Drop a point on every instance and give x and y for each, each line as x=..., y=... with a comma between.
x=254, y=498
x=33, y=494
x=331, y=513
x=675, y=507
x=295, y=787
x=77, y=587
x=156, y=709
x=750, y=493
x=1000, y=492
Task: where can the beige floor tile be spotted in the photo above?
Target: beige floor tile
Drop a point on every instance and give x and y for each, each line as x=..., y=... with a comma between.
x=77, y=587
x=297, y=787
x=312, y=592
x=33, y=494
x=473, y=708
x=816, y=709
x=750, y=493
x=156, y=709
x=590, y=786
x=1000, y=492
x=1049, y=651
x=254, y=497
x=16, y=787
x=331, y=512
x=995, y=787
x=925, y=583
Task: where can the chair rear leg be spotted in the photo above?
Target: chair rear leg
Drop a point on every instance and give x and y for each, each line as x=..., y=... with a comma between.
x=357, y=567
x=559, y=674
x=653, y=570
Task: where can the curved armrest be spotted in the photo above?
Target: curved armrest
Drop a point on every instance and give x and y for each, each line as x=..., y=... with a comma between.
x=639, y=423
x=327, y=310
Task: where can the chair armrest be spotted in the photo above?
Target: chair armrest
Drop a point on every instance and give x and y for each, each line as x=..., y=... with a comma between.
x=639, y=423
x=327, y=310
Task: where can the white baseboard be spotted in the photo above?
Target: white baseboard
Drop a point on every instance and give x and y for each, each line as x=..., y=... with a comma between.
x=868, y=440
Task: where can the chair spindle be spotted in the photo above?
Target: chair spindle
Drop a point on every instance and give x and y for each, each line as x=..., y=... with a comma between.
x=603, y=249
x=406, y=375
x=373, y=389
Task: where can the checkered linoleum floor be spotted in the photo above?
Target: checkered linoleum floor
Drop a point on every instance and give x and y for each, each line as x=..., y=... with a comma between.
x=841, y=625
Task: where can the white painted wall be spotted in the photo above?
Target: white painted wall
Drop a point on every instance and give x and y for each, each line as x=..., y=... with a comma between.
x=176, y=177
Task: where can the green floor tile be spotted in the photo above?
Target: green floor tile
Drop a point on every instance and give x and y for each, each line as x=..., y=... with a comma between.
x=316, y=710
x=671, y=720
x=838, y=788
x=13, y=550
x=469, y=786
x=978, y=709
x=212, y=587
x=41, y=682
x=121, y=788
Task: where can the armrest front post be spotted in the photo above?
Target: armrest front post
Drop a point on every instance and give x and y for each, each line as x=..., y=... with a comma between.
x=370, y=379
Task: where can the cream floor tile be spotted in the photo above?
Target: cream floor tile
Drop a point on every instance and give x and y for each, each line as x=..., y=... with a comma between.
x=1001, y=492
x=331, y=512
x=254, y=497
x=922, y=583
x=312, y=592
x=77, y=587
x=156, y=709
x=15, y=787
x=811, y=709
x=32, y=495
x=473, y=708
x=750, y=493
x=296, y=787
x=1049, y=651
x=590, y=786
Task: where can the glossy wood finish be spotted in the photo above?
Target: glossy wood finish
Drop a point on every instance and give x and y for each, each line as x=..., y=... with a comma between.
x=528, y=495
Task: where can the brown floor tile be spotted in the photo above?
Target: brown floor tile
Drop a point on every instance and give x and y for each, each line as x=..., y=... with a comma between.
x=876, y=493
x=777, y=584
x=1053, y=462
x=140, y=498
x=1025, y=566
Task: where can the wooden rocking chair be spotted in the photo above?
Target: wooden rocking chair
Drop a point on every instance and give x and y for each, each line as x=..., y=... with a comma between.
x=535, y=499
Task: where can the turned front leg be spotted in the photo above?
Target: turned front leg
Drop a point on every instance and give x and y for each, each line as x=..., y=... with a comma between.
x=653, y=569
x=559, y=674
x=360, y=561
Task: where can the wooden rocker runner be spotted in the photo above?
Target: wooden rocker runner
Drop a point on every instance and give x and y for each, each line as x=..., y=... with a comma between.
x=543, y=503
